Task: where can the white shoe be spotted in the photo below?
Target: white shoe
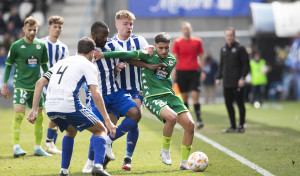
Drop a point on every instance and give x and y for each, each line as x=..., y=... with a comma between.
x=88, y=167
x=109, y=152
x=166, y=157
x=50, y=148
x=184, y=165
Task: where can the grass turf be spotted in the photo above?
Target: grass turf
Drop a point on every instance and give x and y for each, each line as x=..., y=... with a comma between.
x=271, y=141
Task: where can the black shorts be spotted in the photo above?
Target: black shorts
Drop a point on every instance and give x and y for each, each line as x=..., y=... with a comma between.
x=188, y=80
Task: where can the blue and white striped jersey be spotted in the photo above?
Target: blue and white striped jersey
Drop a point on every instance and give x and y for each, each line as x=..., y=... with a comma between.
x=106, y=78
x=129, y=78
x=56, y=51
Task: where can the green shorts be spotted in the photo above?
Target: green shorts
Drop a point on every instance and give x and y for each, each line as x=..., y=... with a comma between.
x=156, y=103
x=23, y=97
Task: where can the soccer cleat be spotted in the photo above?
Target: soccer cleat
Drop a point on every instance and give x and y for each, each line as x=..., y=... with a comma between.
x=109, y=152
x=166, y=157
x=106, y=161
x=64, y=172
x=127, y=163
x=99, y=171
x=50, y=148
x=88, y=167
x=199, y=125
x=41, y=152
x=240, y=129
x=19, y=152
x=184, y=165
x=229, y=130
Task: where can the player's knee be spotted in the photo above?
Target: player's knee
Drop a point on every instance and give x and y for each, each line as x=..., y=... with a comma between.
x=190, y=128
x=134, y=114
x=172, y=119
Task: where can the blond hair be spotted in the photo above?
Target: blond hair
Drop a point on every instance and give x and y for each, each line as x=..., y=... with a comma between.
x=124, y=14
x=56, y=20
x=31, y=21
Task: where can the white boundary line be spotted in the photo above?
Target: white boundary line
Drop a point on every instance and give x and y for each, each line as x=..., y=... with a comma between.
x=224, y=149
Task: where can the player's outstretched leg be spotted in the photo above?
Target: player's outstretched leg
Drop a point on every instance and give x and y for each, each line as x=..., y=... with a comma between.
x=132, y=137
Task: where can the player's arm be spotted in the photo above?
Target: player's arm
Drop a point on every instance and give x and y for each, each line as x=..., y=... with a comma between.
x=5, y=90
x=202, y=64
x=101, y=107
x=43, y=81
x=142, y=64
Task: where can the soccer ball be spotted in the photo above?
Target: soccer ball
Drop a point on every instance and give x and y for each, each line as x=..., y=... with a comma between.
x=198, y=161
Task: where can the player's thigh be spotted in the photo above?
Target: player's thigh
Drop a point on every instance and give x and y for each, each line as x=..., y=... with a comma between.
x=20, y=99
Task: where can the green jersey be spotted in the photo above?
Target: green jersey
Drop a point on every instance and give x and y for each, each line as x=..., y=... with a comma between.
x=154, y=82
x=28, y=59
x=259, y=77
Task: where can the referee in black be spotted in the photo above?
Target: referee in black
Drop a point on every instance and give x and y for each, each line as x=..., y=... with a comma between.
x=234, y=66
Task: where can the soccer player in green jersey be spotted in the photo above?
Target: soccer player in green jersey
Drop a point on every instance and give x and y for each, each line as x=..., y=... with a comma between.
x=159, y=97
x=28, y=55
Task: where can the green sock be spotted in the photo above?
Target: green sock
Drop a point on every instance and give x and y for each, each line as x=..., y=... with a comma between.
x=38, y=129
x=185, y=152
x=166, y=142
x=16, y=128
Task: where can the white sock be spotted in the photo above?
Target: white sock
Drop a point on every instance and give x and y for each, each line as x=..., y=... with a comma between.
x=37, y=147
x=108, y=140
x=16, y=146
x=91, y=161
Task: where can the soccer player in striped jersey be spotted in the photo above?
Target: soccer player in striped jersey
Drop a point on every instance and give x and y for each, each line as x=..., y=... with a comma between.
x=117, y=101
x=129, y=78
x=56, y=51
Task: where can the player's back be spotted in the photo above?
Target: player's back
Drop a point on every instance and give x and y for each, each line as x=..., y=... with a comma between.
x=67, y=77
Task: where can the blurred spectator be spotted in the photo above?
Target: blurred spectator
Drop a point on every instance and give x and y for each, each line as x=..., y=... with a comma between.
x=2, y=24
x=3, y=52
x=210, y=68
x=293, y=62
x=259, y=80
x=15, y=17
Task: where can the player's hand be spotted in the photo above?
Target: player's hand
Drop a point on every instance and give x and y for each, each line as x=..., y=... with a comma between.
x=32, y=116
x=203, y=75
x=5, y=91
x=241, y=83
x=119, y=67
x=98, y=55
x=218, y=82
x=156, y=66
x=111, y=128
x=149, y=50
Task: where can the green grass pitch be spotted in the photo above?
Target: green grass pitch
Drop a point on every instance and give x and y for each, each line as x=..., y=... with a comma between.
x=271, y=141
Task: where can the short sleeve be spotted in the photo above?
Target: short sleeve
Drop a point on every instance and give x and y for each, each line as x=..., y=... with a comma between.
x=201, y=49
x=175, y=48
x=143, y=42
x=91, y=74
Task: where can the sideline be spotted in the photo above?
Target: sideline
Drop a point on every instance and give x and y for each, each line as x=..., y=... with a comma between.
x=221, y=148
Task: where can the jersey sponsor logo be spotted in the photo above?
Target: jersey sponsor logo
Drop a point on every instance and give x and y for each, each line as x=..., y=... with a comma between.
x=32, y=61
x=23, y=46
x=233, y=50
x=161, y=74
x=38, y=46
x=171, y=63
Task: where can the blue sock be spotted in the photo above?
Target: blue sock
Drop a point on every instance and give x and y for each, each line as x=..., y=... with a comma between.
x=67, y=150
x=99, y=148
x=91, y=149
x=124, y=127
x=55, y=137
x=50, y=134
x=132, y=137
